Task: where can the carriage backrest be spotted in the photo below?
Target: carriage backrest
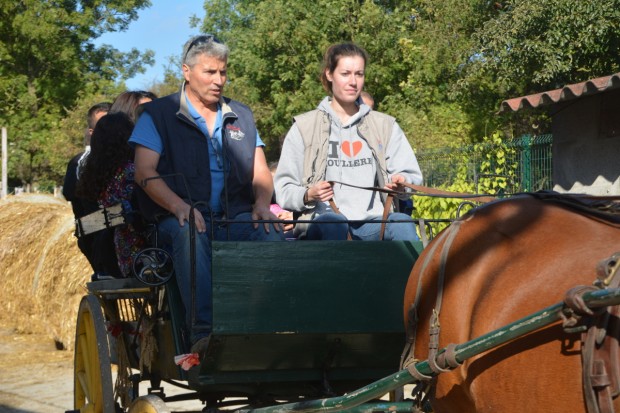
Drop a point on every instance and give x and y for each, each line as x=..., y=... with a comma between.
x=309, y=307
x=266, y=287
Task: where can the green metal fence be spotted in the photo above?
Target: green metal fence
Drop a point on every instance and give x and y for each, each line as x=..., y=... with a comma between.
x=531, y=154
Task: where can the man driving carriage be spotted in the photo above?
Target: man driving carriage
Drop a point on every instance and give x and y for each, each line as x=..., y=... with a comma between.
x=206, y=149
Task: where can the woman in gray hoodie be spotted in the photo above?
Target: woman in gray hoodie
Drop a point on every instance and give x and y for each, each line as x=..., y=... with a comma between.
x=332, y=152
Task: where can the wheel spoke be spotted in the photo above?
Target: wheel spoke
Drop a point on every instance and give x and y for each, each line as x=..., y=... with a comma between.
x=82, y=380
x=84, y=370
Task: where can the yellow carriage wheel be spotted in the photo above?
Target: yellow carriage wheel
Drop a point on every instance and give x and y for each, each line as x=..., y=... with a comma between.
x=93, y=390
x=148, y=404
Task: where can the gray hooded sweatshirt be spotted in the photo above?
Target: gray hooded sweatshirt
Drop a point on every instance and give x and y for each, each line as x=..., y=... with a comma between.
x=349, y=159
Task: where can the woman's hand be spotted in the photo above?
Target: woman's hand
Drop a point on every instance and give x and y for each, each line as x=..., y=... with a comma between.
x=395, y=185
x=321, y=191
x=285, y=215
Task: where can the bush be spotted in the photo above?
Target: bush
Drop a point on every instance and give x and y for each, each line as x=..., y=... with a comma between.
x=492, y=178
x=45, y=186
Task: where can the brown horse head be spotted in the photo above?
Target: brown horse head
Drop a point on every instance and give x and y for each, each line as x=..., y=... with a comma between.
x=502, y=262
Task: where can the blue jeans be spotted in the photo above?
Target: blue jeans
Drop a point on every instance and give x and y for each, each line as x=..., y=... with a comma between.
x=176, y=240
x=394, y=231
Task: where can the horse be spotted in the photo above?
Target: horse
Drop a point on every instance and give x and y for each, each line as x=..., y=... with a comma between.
x=503, y=261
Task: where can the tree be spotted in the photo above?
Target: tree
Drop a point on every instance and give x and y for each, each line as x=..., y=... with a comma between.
x=415, y=50
x=277, y=46
x=440, y=67
x=442, y=32
x=47, y=60
x=532, y=46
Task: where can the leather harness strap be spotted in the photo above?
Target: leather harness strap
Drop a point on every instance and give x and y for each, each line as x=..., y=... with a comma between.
x=391, y=194
x=386, y=206
x=449, y=194
x=435, y=328
x=445, y=361
x=334, y=208
x=424, y=190
x=600, y=347
x=386, y=212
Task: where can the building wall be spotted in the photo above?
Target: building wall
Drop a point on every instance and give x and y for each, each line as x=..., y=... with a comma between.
x=586, y=144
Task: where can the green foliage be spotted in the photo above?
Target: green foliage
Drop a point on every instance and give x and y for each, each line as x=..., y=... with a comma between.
x=276, y=52
x=45, y=186
x=432, y=53
x=550, y=42
x=496, y=174
x=68, y=134
x=440, y=67
x=536, y=45
x=172, y=78
x=47, y=64
x=493, y=175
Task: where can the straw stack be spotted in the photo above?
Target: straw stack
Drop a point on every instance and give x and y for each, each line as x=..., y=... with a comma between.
x=43, y=273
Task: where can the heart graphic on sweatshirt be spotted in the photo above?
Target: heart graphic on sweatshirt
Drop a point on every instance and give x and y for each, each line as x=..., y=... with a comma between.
x=351, y=148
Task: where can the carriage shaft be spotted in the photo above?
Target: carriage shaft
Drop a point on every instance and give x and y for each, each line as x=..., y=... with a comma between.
x=356, y=401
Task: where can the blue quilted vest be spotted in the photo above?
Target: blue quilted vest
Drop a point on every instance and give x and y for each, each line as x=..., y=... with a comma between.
x=184, y=163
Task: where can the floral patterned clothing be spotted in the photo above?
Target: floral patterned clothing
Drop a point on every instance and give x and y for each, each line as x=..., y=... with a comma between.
x=127, y=239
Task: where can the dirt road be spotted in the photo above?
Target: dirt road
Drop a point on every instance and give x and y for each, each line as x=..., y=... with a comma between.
x=37, y=378
x=34, y=376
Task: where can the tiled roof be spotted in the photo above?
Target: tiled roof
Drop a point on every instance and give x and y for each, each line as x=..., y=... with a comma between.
x=589, y=87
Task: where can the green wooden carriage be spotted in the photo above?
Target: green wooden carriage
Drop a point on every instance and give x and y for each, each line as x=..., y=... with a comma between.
x=298, y=327
x=292, y=321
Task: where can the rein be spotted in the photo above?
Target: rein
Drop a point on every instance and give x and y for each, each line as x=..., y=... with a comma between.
x=419, y=190
x=386, y=206
x=423, y=191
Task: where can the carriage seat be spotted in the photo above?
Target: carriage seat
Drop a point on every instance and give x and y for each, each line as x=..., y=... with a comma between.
x=101, y=223
x=104, y=218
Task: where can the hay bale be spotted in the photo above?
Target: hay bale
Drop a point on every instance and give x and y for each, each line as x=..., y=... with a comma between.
x=44, y=272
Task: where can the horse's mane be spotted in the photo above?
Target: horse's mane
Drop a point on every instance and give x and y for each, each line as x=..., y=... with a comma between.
x=604, y=208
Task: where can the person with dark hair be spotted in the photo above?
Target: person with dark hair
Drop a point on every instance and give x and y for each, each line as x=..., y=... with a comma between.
x=94, y=114
x=80, y=206
x=332, y=153
x=129, y=102
x=108, y=178
x=209, y=155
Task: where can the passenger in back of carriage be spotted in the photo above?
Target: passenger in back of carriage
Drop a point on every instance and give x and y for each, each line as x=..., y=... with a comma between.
x=130, y=101
x=107, y=177
x=207, y=150
x=100, y=258
x=332, y=151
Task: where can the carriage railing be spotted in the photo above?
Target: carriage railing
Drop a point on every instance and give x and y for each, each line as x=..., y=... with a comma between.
x=357, y=401
x=426, y=223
